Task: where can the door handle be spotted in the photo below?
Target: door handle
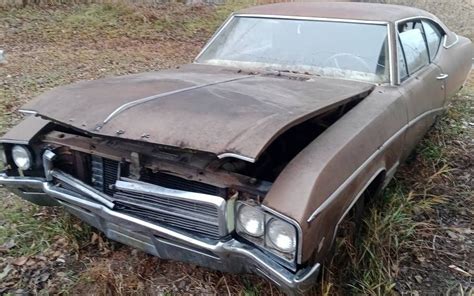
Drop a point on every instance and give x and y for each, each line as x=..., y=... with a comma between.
x=442, y=76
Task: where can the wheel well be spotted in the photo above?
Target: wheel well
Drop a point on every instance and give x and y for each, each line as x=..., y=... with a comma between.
x=368, y=195
x=371, y=191
x=375, y=186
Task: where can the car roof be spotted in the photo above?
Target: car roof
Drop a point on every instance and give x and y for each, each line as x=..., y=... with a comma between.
x=339, y=10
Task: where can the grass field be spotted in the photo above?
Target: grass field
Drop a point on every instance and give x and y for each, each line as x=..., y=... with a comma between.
x=418, y=238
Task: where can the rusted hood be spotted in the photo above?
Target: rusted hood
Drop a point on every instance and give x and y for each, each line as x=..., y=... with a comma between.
x=196, y=107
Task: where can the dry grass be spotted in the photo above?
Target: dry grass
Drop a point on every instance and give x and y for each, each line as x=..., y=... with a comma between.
x=421, y=226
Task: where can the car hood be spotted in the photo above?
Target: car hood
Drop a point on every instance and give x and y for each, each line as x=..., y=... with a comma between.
x=206, y=108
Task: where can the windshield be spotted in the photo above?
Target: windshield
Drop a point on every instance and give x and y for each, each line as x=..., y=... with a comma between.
x=353, y=51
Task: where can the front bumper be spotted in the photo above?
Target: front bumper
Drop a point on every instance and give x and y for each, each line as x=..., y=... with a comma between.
x=228, y=255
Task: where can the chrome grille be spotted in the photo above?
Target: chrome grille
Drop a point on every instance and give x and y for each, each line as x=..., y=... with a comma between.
x=170, y=181
x=97, y=173
x=104, y=174
x=111, y=170
x=162, y=198
x=202, y=214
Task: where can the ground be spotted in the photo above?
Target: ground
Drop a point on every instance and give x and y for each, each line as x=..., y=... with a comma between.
x=418, y=237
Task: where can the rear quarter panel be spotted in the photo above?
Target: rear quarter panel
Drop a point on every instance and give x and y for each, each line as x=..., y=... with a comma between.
x=456, y=61
x=348, y=153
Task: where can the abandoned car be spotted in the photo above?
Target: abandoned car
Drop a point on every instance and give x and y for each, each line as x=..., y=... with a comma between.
x=248, y=159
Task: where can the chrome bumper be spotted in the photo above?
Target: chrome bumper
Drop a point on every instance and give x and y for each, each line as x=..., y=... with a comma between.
x=229, y=255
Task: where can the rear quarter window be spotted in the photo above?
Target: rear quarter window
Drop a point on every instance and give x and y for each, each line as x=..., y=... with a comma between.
x=433, y=38
x=415, y=50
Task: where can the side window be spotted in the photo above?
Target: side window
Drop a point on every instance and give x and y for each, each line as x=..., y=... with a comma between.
x=433, y=38
x=413, y=45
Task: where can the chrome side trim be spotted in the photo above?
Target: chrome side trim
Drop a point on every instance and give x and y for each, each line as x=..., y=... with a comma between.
x=292, y=222
x=238, y=156
x=132, y=104
x=445, y=45
x=7, y=141
x=27, y=112
x=336, y=193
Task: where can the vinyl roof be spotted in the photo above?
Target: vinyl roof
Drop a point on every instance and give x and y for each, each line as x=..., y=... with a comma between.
x=338, y=10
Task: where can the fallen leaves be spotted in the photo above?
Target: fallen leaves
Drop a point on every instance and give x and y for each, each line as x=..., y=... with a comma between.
x=35, y=273
x=5, y=272
x=20, y=261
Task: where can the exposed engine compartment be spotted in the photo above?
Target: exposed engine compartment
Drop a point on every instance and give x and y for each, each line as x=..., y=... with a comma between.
x=287, y=146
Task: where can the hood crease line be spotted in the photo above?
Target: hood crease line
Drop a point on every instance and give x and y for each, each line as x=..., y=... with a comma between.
x=132, y=104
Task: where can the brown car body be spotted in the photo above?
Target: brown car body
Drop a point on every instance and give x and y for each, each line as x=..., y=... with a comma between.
x=196, y=121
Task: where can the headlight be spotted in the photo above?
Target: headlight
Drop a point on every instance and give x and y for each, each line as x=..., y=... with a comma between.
x=266, y=230
x=22, y=157
x=281, y=235
x=251, y=220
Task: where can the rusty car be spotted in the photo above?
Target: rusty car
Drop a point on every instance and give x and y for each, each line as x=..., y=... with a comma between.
x=249, y=158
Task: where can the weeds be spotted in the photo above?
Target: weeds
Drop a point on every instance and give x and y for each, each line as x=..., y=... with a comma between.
x=400, y=225
x=33, y=229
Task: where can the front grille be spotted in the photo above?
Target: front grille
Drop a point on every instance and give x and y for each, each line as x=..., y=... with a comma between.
x=166, y=206
x=111, y=170
x=104, y=174
x=163, y=199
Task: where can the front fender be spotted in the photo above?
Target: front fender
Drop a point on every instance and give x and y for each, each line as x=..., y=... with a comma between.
x=326, y=176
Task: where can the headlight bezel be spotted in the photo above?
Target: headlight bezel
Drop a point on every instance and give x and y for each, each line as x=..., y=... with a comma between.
x=262, y=243
x=22, y=149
